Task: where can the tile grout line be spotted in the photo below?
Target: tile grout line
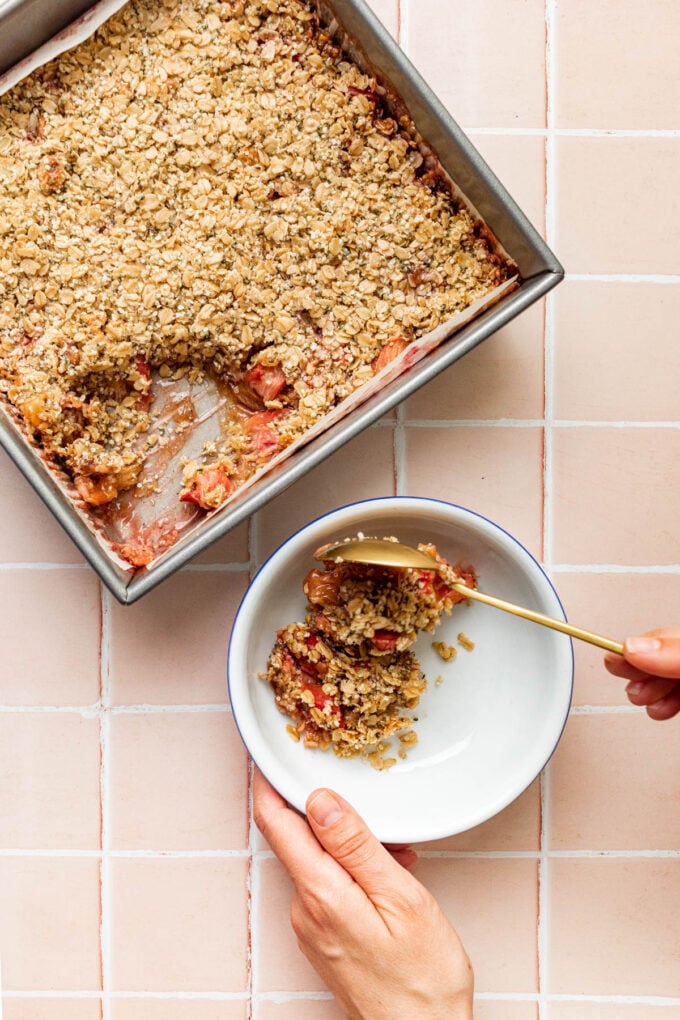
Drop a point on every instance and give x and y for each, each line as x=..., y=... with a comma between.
x=542, y=927
x=616, y=568
x=262, y=855
x=549, y=319
x=216, y=568
x=538, y=855
x=251, y=897
x=156, y=855
x=575, y=132
x=105, y=737
x=399, y=453
x=321, y=996
x=542, y=942
x=641, y=1000
x=660, y=278
x=252, y=883
x=159, y=709
x=404, y=25
x=94, y=711
x=255, y=898
x=72, y=993
x=528, y=423
x=282, y=997
x=399, y=423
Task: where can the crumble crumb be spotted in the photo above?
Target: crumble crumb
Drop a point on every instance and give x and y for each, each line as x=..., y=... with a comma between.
x=444, y=651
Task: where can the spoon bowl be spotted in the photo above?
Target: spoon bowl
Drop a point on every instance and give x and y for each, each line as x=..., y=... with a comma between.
x=390, y=553
x=381, y=552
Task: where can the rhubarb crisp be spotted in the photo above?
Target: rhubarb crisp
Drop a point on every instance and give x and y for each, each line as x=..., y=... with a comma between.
x=346, y=675
x=213, y=188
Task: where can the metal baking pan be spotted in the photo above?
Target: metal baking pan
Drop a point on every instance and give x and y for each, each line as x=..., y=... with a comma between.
x=26, y=24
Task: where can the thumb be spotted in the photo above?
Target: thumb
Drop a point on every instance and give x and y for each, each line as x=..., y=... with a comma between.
x=655, y=654
x=347, y=838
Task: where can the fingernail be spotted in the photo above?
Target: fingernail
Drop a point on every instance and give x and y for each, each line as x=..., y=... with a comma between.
x=642, y=645
x=635, y=687
x=324, y=808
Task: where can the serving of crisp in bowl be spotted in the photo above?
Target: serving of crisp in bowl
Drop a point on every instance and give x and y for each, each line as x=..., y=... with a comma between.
x=483, y=720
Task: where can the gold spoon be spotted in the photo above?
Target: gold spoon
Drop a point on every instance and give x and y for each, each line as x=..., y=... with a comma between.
x=382, y=552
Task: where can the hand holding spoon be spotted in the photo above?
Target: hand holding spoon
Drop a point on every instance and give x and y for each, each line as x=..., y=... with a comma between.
x=385, y=553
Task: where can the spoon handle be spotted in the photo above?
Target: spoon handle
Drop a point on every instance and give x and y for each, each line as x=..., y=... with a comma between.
x=546, y=621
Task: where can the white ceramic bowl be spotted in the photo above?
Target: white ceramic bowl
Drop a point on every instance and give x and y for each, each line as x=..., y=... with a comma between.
x=484, y=733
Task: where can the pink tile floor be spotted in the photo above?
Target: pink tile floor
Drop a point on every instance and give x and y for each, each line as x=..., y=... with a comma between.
x=133, y=885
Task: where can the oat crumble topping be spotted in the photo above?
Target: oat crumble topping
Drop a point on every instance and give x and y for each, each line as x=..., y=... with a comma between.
x=444, y=651
x=347, y=675
x=211, y=187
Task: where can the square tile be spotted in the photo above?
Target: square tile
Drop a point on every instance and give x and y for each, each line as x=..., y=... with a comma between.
x=612, y=781
x=598, y=85
x=485, y=61
x=606, y=222
x=177, y=1009
x=493, y=905
x=618, y=605
x=519, y=163
x=501, y=378
x=178, y=925
x=28, y=531
x=51, y=1009
x=171, y=646
x=611, y=1011
x=496, y=471
x=49, y=781
x=616, y=351
x=42, y=663
x=388, y=12
x=49, y=932
x=498, y=1009
x=233, y=548
x=518, y=827
x=179, y=781
x=278, y=963
x=613, y=926
x=300, y=1009
x=616, y=495
x=363, y=467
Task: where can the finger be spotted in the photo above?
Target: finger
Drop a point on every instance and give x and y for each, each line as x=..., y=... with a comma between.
x=647, y=692
x=347, y=838
x=656, y=653
x=618, y=666
x=666, y=707
x=406, y=858
x=403, y=854
x=287, y=832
